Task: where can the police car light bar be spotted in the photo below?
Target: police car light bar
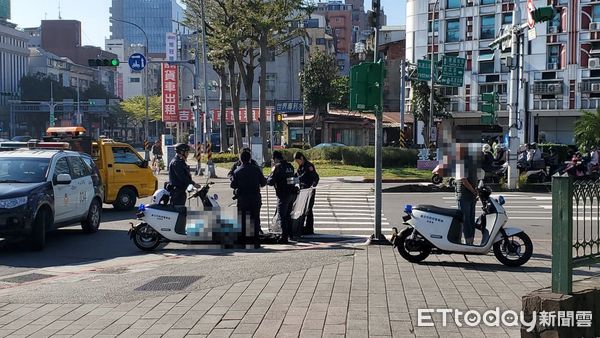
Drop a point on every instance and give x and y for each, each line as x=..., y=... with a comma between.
x=50, y=145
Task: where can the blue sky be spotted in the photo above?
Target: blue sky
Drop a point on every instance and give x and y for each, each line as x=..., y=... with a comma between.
x=94, y=15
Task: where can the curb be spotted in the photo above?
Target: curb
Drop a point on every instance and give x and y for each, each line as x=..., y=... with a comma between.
x=537, y=188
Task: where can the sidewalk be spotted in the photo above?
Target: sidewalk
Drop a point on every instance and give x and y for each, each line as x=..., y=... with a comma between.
x=372, y=293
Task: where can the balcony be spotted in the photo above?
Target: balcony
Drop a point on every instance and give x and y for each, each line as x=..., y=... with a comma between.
x=547, y=104
x=589, y=86
x=547, y=88
x=590, y=103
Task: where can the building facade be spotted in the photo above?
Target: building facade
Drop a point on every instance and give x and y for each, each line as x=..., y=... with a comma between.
x=339, y=19
x=319, y=35
x=155, y=17
x=13, y=66
x=560, y=70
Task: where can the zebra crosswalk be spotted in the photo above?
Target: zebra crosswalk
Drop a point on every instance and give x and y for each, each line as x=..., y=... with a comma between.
x=339, y=209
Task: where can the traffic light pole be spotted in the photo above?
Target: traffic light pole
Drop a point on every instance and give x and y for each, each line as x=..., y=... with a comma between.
x=433, y=67
x=513, y=97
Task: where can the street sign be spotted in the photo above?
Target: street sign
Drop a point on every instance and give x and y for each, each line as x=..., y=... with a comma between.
x=423, y=70
x=530, y=8
x=137, y=62
x=453, y=71
x=531, y=34
x=290, y=107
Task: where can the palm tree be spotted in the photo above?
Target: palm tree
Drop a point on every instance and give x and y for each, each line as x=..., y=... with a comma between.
x=587, y=129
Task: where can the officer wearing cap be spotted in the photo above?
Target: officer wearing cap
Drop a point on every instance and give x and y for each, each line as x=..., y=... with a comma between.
x=179, y=175
x=281, y=178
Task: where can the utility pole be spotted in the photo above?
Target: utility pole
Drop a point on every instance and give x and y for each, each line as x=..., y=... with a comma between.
x=402, y=98
x=207, y=120
x=513, y=98
x=433, y=66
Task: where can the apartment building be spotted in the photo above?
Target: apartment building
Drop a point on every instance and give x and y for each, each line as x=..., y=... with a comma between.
x=561, y=70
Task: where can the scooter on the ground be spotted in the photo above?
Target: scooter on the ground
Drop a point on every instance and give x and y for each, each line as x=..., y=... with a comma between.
x=437, y=178
x=161, y=222
x=435, y=230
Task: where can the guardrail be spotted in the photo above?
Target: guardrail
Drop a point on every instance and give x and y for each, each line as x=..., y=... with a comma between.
x=575, y=229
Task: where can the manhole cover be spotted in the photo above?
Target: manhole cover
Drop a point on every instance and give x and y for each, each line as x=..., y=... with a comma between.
x=30, y=277
x=169, y=283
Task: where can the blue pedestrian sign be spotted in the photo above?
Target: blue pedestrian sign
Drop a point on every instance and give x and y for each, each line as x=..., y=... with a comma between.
x=137, y=61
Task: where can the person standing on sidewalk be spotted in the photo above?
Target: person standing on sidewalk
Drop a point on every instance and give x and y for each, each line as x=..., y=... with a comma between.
x=466, y=195
x=247, y=180
x=308, y=177
x=179, y=175
x=281, y=178
x=157, y=155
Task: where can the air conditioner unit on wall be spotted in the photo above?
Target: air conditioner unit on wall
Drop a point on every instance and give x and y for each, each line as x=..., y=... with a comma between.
x=594, y=26
x=595, y=87
x=594, y=63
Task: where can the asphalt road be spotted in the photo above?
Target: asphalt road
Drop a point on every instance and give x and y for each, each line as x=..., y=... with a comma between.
x=107, y=267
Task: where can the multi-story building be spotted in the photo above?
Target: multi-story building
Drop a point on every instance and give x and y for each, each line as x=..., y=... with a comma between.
x=155, y=17
x=13, y=66
x=561, y=65
x=319, y=35
x=339, y=19
x=392, y=44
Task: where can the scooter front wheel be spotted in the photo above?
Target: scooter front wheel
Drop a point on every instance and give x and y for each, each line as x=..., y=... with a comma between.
x=436, y=179
x=409, y=250
x=514, y=251
x=145, y=238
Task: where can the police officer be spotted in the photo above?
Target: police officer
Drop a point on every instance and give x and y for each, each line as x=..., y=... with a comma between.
x=247, y=179
x=179, y=175
x=308, y=177
x=239, y=163
x=281, y=178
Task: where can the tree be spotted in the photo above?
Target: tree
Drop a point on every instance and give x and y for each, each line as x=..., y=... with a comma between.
x=586, y=130
x=420, y=104
x=39, y=87
x=135, y=110
x=96, y=91
x=341, y=95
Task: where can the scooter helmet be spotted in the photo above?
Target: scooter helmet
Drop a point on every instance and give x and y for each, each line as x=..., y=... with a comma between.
x=161, y=196
x=181, y=148
x=484, y=193
x=486, y=148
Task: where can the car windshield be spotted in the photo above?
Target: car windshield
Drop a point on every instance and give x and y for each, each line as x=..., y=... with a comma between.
x=23, y=170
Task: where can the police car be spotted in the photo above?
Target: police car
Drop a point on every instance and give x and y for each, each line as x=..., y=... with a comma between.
x=44, y=189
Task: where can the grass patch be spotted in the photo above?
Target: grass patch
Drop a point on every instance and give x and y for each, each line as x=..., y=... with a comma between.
x=334, y=169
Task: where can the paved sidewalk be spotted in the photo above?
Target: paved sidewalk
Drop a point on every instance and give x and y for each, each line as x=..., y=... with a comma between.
x=376, y=293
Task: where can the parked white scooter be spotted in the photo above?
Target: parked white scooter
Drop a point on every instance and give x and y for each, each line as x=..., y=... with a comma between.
x=162, y=223
x=438, y=230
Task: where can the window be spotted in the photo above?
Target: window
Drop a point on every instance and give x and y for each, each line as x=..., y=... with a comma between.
x=271, y=82
x=453, y=30
x=488, y=27
x=488, y=2
x=125, y=155
x=320, y=41
x=453, y=4
x=486, y=62
x=596, y=13
x=134, y=80
x=436, y=26
x=23, y=170
x=507, y=19
x=499, y=88
x=311, y=23
x=62, y=167
x=78, y=169
x=553, y=54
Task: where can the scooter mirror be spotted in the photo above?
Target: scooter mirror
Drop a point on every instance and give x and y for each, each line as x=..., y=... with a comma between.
x=480, y=185
x=190, y=188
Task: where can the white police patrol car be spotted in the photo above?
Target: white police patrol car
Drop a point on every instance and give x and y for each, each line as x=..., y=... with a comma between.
x=44, y=189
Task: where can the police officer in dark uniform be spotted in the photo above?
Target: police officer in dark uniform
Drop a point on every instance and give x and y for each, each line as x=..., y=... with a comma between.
x=281, y=178
x=179, y=175
x=308, y=177
x=247, y=179
x=239, y=163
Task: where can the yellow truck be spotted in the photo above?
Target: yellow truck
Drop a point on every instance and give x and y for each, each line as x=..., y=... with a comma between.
x=125, y=175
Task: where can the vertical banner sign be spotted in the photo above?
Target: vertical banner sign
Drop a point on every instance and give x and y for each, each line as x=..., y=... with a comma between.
x=171, y=46
x=169, y=93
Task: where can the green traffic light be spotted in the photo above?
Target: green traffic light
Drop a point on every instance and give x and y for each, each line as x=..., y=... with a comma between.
x=114, y=62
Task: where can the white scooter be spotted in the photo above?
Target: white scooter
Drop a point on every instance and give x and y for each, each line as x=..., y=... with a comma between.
x=438, y=230
x=162, y=223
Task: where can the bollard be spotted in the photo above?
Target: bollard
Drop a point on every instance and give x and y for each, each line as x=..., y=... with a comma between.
x=402, y=139
x=198, y=156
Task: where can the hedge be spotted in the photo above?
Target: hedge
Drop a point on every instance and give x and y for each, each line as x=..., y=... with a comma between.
x=223, y=158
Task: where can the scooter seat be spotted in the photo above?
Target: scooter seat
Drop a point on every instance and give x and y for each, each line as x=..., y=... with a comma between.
x=454, y=213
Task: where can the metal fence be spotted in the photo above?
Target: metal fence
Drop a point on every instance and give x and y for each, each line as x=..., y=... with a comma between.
x=575, y=229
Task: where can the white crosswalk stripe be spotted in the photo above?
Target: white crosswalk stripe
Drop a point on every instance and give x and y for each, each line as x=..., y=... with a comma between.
x=338, y=210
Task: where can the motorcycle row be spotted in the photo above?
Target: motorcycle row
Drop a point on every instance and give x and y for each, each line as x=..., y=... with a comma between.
x=534, y=165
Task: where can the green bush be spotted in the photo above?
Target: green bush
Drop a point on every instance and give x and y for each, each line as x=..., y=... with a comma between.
x=223, y=158
x=365, y=156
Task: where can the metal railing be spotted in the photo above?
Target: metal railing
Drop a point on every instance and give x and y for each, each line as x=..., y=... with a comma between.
x=575, y=229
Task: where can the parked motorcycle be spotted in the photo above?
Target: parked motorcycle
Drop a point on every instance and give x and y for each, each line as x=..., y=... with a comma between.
x=434, y=230
x=161, y=223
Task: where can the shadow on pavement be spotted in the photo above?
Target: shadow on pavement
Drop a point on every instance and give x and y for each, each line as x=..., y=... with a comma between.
x=69, y=246
x=500, y=267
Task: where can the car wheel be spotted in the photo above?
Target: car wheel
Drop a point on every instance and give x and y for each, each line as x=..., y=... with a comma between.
x=92, y=221
x=125, y=199
x=38, y=230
